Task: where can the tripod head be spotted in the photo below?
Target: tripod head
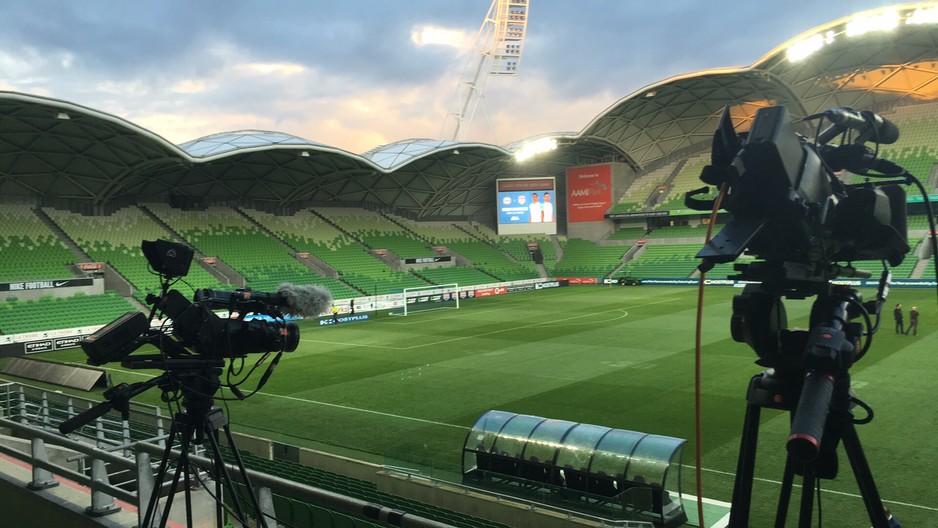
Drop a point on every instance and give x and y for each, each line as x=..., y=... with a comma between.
x=808, y=369
x=196, y=380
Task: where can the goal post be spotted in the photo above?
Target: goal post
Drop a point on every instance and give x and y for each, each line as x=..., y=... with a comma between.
x=427, y=298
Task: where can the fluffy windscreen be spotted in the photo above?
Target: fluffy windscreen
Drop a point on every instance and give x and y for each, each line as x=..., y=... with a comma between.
x=305, y=300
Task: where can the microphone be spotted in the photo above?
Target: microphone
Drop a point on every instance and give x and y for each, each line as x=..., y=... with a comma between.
x=857, y=159
x=305, y=300
x=871, y=127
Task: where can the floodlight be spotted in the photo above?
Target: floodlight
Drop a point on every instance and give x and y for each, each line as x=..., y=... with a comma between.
x=538, y=146
x=881, y=21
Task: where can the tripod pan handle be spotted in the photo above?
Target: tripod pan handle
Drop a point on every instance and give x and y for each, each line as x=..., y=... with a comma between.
x=79, y=420
x=807, y=426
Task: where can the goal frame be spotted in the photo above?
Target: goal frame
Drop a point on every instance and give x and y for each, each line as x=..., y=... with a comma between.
x=446, y=295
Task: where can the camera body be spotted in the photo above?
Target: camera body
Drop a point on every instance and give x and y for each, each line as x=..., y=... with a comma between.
x=198, y=327
x=195, y=326
x=789, y=208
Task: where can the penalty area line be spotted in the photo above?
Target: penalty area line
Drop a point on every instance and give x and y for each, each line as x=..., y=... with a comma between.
x=532, y=325
x=401, y=320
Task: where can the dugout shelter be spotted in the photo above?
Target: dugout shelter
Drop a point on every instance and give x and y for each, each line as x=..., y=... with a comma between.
x=599, y=470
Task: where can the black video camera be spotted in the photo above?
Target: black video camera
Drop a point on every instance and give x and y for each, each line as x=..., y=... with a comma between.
x=195, y=325
x=788, y=207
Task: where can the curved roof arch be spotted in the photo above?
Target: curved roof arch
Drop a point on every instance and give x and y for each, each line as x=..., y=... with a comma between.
x=855, y=63
x=867, y=60
x=225, y=142
x=55, y=149
x=675, y=114
x=401, y=152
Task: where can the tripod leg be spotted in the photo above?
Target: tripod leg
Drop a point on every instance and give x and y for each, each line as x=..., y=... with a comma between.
x=784, y=497
x=219, y=467
x=187, y=483
x=160, y=477
x=807, y=497
x=861, y=470
x=261, y=518
x=180, y=464
x=745, y=468
x=223, y=477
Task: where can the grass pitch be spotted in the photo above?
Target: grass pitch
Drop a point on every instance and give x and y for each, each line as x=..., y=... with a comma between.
x=405, y=390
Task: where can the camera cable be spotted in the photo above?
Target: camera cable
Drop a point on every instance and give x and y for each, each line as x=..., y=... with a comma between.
x=698, y=430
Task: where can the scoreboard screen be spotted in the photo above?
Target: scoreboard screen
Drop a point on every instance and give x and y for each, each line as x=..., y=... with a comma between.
x=526, y=206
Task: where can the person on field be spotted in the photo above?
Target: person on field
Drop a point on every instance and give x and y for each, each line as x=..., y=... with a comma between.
x=897, y=315
x=913, y=321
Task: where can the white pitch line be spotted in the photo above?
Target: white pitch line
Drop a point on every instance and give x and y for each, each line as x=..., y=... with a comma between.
x=616, y=318
x=434, y=343
x=369, y=411
x=830, y=491
x=316, y=402
x=541, y=323
x=362, y=345
x=401, y=321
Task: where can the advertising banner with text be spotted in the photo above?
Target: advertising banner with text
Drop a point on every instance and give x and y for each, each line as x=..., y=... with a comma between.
x=589, y=193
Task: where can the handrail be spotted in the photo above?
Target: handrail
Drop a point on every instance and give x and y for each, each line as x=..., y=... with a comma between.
x=68, y=443
x=319, y=497
x=279, y=486
x=293, y=490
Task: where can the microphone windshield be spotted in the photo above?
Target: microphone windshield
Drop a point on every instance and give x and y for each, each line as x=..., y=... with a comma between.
x=888, y=132
x=305, y=300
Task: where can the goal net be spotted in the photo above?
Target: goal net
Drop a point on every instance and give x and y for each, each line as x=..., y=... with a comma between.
x=426, y=298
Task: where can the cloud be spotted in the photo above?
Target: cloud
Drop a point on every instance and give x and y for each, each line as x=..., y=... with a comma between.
x=283, y=68
x=518, y=107
x=189, y=86
x=358, y=75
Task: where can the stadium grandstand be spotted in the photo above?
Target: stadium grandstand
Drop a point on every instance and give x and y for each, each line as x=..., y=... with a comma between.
x=414, y=221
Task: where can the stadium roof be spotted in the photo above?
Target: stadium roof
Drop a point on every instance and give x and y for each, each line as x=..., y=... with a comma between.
x=61, y=152
x=218, y=144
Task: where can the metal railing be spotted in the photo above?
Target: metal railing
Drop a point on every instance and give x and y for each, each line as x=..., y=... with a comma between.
x=108, y=447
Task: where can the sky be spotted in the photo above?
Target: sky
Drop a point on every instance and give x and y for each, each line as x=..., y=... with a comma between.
x=357, y=74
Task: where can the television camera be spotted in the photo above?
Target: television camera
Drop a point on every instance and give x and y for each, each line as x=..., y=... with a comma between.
x=805, y=227
x=193, y=343
x=256, y=322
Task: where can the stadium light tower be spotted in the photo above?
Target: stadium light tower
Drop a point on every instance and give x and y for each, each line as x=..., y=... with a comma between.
x=496, y=51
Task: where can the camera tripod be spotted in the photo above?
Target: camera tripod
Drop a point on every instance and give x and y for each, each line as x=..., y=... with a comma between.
x=764, y=392
x=810, y=380
x=197, y=379
x=199, y=421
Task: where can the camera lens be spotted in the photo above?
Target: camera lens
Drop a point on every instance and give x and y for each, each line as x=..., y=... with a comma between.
x=256, y=336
